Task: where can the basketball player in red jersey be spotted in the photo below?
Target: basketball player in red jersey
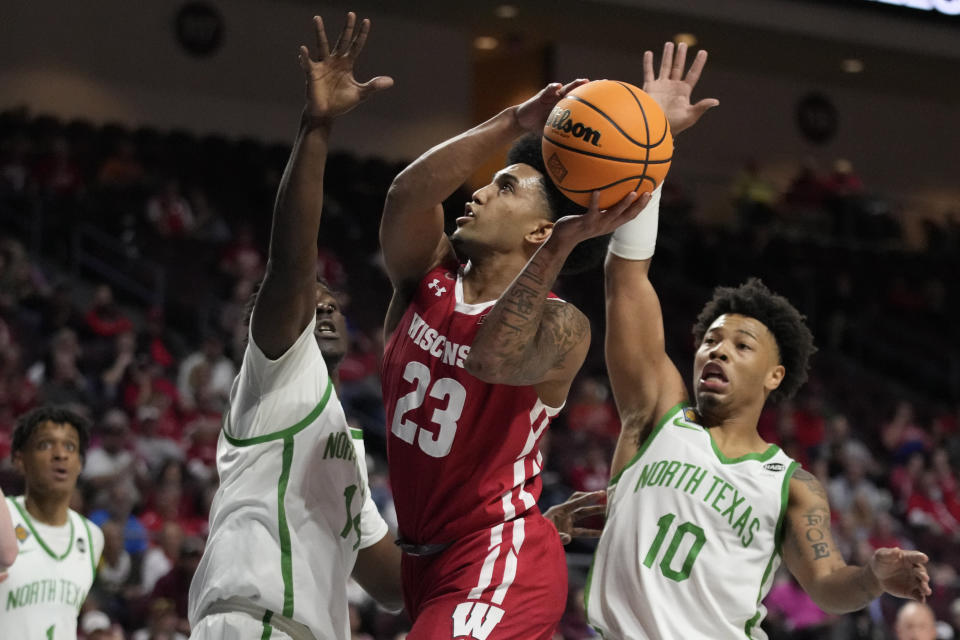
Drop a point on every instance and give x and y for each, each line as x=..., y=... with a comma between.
x=470, y=384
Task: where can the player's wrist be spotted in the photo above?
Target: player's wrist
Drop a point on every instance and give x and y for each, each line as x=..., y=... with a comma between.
x=870, y=582
x=637, y=239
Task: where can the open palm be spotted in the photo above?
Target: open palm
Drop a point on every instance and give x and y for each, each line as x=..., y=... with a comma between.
x=331, y=88
x=671, y=89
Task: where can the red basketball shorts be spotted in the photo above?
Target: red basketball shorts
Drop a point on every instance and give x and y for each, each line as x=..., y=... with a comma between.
x=504, y=583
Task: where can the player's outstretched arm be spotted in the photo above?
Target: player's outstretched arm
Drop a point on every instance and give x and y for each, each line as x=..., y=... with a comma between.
x=411, y=230
x=287, y=298
x=645, y=382
x=527, y=339
x=8, y=539
x=812, y=557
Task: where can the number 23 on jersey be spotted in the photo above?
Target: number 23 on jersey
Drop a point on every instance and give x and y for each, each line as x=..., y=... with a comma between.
x=436, y=438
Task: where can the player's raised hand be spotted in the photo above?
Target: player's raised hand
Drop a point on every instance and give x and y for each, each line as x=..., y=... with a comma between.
x=332, y=89
x=671, y=88
x=532, y=114
x=599, y=222
x=902, y=573
x=578, y=507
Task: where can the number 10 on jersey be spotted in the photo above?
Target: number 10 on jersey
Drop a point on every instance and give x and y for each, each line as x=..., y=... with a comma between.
x=436, y=444
x=664, y=524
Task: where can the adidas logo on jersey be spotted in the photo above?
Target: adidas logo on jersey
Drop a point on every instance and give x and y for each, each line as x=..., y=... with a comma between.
x=437, y=345
x=475, y=620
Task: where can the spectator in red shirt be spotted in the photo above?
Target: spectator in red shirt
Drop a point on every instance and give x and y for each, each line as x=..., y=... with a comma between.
x=169, y=212
x=175, y=586
x=104, y=317
x=592, y=414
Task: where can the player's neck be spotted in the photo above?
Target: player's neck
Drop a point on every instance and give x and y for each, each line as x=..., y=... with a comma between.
x=736, y=435
x=487, y=277
x=49, y=510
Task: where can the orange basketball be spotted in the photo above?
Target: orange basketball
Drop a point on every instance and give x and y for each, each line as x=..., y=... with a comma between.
x=606, y=136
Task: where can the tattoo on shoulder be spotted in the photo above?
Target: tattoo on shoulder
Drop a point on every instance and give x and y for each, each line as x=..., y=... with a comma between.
x=565, y=328
x=810, y=481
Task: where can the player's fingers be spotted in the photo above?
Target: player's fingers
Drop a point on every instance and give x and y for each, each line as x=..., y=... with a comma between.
x=570, y=86
x=550, y=94
x=623, y=205
x=589, y=511
x=323, y=47
x=693, y=75
x=582, y=498
x=634, y=209
x=915, y=557
x=346, y=36
x=303, y=57
x=666, y=61
x=676, y=70
x=594, y=202
x=357, y=45
x=648, y=67
x=376, y=84
x=581, y=532
x=565, y=538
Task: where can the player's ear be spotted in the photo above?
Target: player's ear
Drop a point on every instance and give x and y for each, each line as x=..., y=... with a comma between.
x=774, y=378
x=18, y=462
x=540, y=232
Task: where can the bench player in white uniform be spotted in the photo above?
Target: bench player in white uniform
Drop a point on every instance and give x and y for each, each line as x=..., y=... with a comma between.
x=59, y=549
x=700, y=509
x=293, y=517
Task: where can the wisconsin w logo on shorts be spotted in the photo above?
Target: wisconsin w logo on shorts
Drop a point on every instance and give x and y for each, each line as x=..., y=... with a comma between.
x=475, y=620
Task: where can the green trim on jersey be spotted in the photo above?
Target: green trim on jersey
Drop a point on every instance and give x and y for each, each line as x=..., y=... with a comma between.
x=26, y=517
x=586, y=590
x=615, y=479
x=267, y=629
x=771, y=451
x=289, y=432
x=777, y=541
x=93, y=564
x=356, y=434
x=286, y=560
x=646, y=443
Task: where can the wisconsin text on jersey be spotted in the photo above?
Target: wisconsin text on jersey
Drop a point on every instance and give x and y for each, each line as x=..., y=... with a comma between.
x=437, y=345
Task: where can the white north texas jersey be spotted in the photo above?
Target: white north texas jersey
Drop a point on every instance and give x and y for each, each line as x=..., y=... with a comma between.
x=51, y=576
x=293, y=505
x=692, y=538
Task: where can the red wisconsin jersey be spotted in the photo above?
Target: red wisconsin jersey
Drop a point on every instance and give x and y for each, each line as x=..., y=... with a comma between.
x=463, y=453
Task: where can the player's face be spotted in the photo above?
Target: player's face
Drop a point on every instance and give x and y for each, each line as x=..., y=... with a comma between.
x=505, y=215
x=50, y=461
x=737, y=364
x=331, y=331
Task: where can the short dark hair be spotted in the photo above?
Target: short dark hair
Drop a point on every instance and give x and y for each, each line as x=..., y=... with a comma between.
x=587, y=254
x=794, y=340
x=28, y=423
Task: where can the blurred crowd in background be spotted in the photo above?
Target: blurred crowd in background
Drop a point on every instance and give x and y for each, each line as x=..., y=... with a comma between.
x=127, y=259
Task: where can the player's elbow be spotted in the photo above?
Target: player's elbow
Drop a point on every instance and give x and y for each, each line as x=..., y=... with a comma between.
x=491, y=369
